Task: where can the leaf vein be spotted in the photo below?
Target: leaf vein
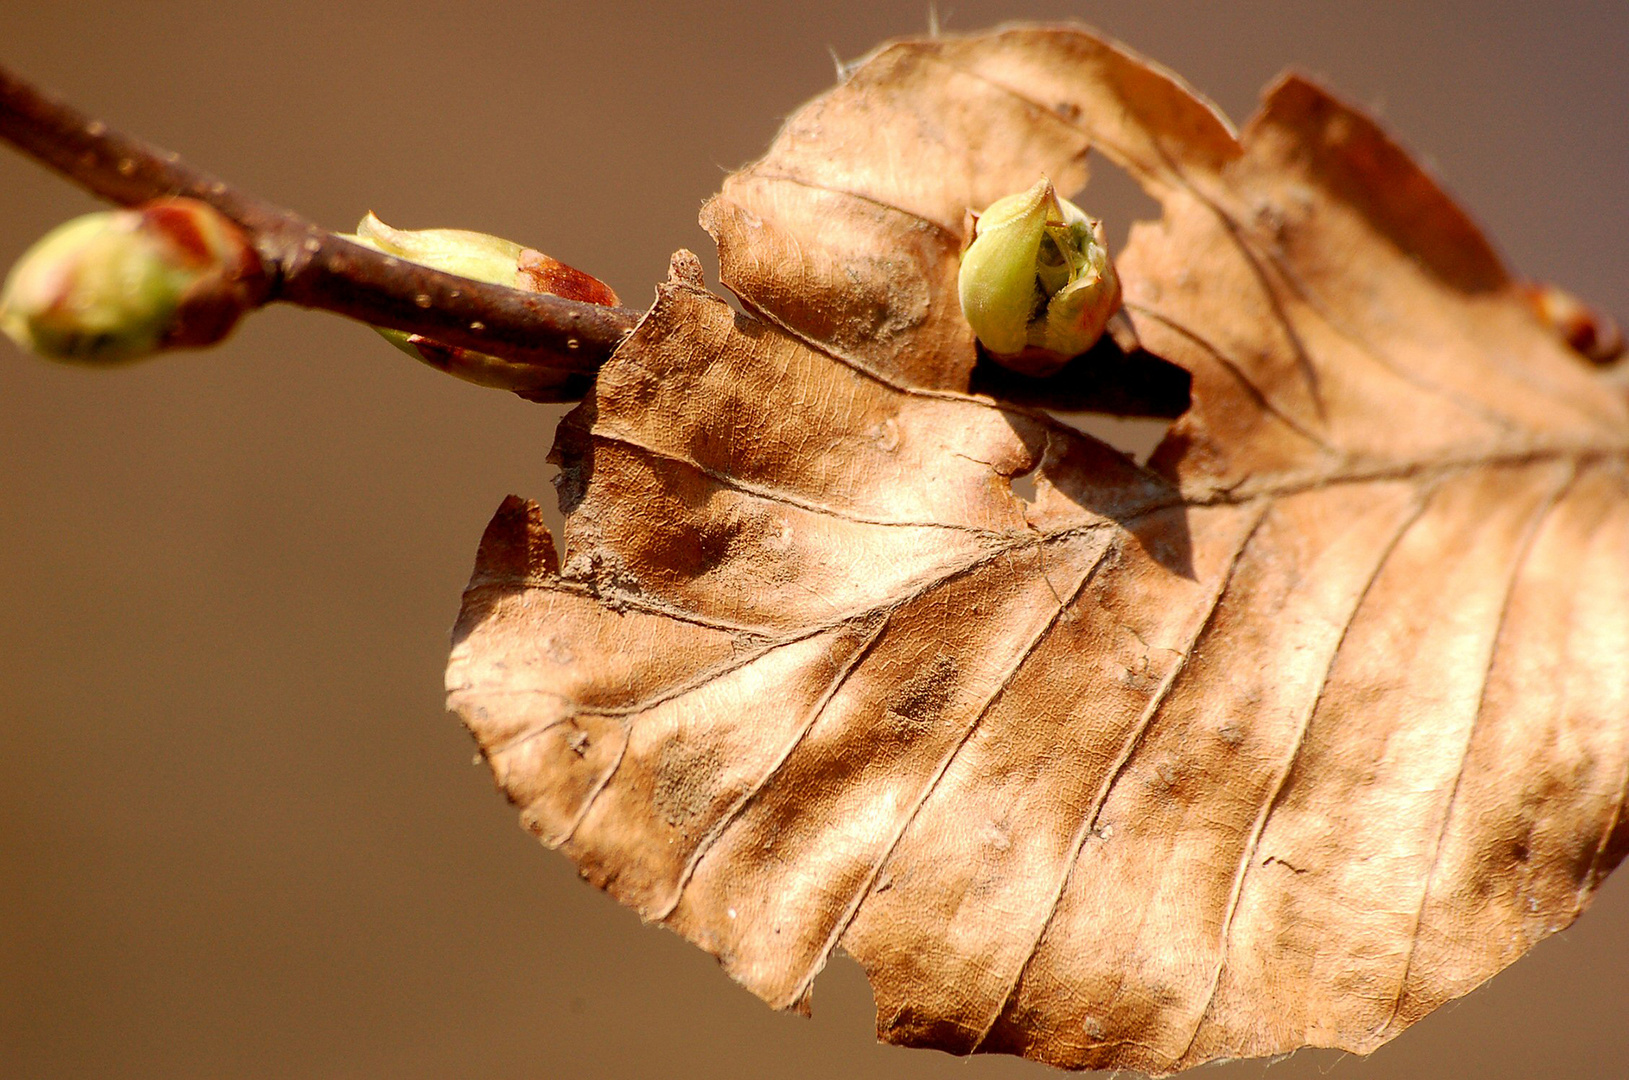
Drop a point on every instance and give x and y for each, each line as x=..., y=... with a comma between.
x=833, y=688
x=1524, y=548
x=869, y=882
x=1134, y=739
x=1281, y=780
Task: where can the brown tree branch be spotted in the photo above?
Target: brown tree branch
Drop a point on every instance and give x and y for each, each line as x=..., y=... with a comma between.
x=304, y=264
x=552, y=345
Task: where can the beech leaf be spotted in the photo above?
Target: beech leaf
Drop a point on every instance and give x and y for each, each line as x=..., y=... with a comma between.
x=1310, y=725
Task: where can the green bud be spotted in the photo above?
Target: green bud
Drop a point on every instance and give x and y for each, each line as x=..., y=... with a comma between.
x=1036, y=283
x=118, y=285
x=496, y=261
x=475, y=255
x=478, y=256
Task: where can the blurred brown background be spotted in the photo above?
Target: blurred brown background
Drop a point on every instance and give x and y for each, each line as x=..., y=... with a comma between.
x=238, y=835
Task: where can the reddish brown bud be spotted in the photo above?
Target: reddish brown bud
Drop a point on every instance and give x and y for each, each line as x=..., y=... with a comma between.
x=1591, y=333
x=539, y=273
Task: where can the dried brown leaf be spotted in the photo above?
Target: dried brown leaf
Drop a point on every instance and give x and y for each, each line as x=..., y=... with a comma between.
x=1310, y=726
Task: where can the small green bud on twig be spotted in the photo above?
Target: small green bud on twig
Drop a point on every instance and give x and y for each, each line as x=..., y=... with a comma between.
x=119, y=285
x=492, y=259
x=1036, y=283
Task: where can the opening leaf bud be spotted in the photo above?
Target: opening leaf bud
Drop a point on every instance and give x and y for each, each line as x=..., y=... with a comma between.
x=496, y=261
x=475, y=255
x=119, y=285
x=1036, y=283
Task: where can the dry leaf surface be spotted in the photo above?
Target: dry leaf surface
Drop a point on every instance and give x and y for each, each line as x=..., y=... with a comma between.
x=1311, y=725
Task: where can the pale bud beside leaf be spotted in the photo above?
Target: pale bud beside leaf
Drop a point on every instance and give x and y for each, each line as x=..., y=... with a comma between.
x=1036, y=283
x=118, y=285
x=496, y=261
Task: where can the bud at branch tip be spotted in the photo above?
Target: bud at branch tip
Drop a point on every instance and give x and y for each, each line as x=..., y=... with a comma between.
x=119, y=285
x=1036, y=283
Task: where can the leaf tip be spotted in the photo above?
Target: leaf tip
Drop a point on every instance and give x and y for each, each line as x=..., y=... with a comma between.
x=516, y=546
x=684, y=268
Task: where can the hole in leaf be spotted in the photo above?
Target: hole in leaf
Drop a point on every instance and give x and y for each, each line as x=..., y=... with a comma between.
x=1134, y=436
x=1125, y=399
x=1112, y=196
x=1023, y=485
